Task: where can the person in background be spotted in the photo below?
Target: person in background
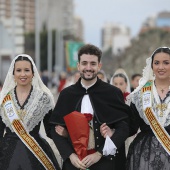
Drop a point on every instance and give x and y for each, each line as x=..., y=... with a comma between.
x=101, y=75
x=45, y=78
x=72, y=79
x=62, y=81
x=24, y=103
x=76, y=76
x=121, y=81
x=91, y=95
x=135, y=81
x=150, y=104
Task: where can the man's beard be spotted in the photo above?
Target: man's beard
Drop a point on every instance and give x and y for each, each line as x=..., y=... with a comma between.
x=89, y=78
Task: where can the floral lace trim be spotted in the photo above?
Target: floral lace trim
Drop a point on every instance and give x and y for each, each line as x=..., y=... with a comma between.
x=137, y=100
x=38, y=105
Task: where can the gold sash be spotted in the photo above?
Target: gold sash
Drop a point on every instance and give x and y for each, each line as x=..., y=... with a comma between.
x=25, y=137
x=159, y=131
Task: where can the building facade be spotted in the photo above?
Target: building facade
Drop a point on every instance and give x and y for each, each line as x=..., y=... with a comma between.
x=115, y=36
x=56, y=14
x=25, y=10
x=160, y=20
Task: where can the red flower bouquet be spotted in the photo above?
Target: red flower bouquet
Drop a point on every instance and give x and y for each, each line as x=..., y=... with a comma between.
x=78, y=129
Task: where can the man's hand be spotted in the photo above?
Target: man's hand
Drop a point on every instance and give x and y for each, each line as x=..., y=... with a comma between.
x=61, y=131
x=76, y=161
x=105, y=130
x=91, y=159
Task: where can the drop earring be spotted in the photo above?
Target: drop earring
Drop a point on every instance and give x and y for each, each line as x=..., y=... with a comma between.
x=32, y=80
x=15, y=82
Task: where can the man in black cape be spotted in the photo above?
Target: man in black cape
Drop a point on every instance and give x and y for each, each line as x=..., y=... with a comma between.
x=106, y=104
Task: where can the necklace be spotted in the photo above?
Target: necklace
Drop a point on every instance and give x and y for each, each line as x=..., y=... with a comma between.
x=22, y=98
x=163, y=89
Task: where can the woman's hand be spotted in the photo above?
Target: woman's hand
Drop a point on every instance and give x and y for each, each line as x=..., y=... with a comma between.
x=76, y=161
x=61, y=131
x=105, y=130
x=91, y=159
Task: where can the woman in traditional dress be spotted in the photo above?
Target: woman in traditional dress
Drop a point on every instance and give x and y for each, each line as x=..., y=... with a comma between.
x=121, y=81
x=150, y=150
x=24, y=103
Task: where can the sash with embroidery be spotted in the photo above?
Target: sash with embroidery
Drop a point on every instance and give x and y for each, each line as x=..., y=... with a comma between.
x=159, y=131
x=25, y=137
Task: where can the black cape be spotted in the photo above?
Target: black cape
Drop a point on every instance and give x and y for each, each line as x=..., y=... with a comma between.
x=107, y=102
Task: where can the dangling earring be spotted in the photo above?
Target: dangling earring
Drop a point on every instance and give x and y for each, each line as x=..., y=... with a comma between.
x=32, y=80
x=15, y=82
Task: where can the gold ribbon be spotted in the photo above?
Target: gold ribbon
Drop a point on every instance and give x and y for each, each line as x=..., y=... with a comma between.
x=25, y=137
x=161, y=134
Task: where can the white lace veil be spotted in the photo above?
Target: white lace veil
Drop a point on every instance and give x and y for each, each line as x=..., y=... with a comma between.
x=118, y=71
x=146, y=75
x=9, y=82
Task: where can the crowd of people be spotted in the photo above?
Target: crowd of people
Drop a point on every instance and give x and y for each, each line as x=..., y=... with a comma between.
x=97, y=122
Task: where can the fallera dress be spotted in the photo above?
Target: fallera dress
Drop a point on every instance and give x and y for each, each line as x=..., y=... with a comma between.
x=14, y=155
x=146, y=152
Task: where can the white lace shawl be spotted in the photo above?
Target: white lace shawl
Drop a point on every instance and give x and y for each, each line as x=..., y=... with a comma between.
x=37, y=83
x=147, y=75
x=137, y=100
x=37, y=107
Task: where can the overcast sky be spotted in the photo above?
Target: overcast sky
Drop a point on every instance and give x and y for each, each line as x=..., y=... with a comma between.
x=131, y=13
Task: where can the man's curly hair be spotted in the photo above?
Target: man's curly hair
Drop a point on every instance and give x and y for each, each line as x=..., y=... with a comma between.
x=90, y=49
